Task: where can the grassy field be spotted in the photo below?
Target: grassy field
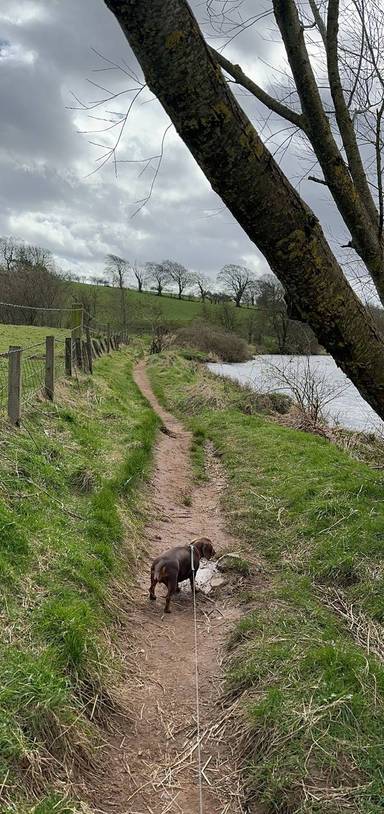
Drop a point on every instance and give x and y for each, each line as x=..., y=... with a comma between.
x=307, y=657
x=143, y=311
x=145, y=308
x=70, y=529
x=26, y=335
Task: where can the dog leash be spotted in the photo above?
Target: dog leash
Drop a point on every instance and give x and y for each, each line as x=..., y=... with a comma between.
x=197, y=687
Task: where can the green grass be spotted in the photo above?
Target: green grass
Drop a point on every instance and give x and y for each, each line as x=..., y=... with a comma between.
x=25, y=335
x=312, y=712
x=143, y=309
x=61, y=546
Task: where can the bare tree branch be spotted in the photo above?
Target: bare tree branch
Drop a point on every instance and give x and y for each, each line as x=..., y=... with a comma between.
x=273, y=104
x=343, y=118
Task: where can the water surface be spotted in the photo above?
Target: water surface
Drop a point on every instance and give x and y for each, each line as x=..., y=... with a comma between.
x=347, y=409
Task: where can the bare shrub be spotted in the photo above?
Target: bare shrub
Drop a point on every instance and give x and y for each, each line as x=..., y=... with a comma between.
x=160, y=331
x=227, y=347
x=311, y=390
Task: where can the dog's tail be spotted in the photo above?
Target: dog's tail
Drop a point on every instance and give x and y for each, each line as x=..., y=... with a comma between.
x=157, y=569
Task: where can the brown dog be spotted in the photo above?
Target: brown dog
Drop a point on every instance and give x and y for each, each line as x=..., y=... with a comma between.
x=175, y=565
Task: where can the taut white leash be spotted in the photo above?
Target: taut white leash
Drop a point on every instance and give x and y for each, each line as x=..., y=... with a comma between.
x=197, y=687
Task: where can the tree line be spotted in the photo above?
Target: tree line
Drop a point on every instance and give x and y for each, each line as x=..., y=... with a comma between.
x=235, y=285
x=30, y=279
x=233, y=282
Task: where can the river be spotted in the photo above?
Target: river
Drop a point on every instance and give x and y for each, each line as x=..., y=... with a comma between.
x=346, y=407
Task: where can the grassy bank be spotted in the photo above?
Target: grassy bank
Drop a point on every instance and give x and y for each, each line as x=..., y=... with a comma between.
x=307, y=656
x=70, y=526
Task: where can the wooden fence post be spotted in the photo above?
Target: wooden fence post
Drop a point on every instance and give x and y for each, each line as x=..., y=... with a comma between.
x=14, y=384
x=77, y=320
x=49, y=367
x=84, y=353
x=79, y=355
x=89, y=350
x=68, y=356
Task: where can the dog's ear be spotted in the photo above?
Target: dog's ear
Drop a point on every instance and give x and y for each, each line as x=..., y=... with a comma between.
x=207, y=549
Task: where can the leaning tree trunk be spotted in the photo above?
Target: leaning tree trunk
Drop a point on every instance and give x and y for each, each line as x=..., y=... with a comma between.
x=183, y=74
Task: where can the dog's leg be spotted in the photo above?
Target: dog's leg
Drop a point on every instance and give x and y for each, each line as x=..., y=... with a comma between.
x=152, y=588
x=168, y=599
x=172, y=588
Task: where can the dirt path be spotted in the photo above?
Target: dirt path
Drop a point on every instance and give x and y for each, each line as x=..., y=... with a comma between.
x=150, y=766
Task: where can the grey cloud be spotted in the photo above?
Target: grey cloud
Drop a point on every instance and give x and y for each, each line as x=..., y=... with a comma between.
x=47, y=195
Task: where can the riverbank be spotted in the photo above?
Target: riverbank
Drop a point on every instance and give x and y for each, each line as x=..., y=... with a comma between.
x=305, y=668
x=315, y=379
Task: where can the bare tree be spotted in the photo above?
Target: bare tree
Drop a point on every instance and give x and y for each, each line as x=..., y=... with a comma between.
x=159, y=275
x=141, y=274
x=160, y=331
x=271, y=300
x=252, y=292
x=30, y=280
x=187, y=82
x=237, y=280
x=118, y=269
x=34, y=256
x=335, y=88
x=291, y=336
x=178, y=274
x=202, y=283
x=227, y=317
x=8, y=252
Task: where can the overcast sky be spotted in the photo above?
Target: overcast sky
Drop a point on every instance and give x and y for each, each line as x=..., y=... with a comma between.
x=50, y=193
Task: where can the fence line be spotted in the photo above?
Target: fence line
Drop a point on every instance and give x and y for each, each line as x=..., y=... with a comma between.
x=33, y=307
x=32, y=371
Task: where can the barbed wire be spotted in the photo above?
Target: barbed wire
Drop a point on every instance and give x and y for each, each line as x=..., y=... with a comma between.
x=36, y=307
x=59, y=359
x=33, y=361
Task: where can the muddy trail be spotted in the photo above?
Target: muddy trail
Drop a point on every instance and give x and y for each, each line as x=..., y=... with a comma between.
x=149, y=765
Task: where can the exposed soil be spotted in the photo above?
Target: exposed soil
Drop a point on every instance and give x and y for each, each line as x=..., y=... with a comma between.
x=150, y=762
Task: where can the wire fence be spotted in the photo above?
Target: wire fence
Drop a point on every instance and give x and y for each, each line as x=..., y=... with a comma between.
x=59, y=359
x=3, y=381
x=32, y=372
x=35, y=315
x=27, y=373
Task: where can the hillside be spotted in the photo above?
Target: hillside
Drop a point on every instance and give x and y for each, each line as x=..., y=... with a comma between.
x=142, y=308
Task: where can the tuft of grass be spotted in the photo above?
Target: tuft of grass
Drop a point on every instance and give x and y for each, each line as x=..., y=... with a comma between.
x=198, y=454
x=83, y=479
